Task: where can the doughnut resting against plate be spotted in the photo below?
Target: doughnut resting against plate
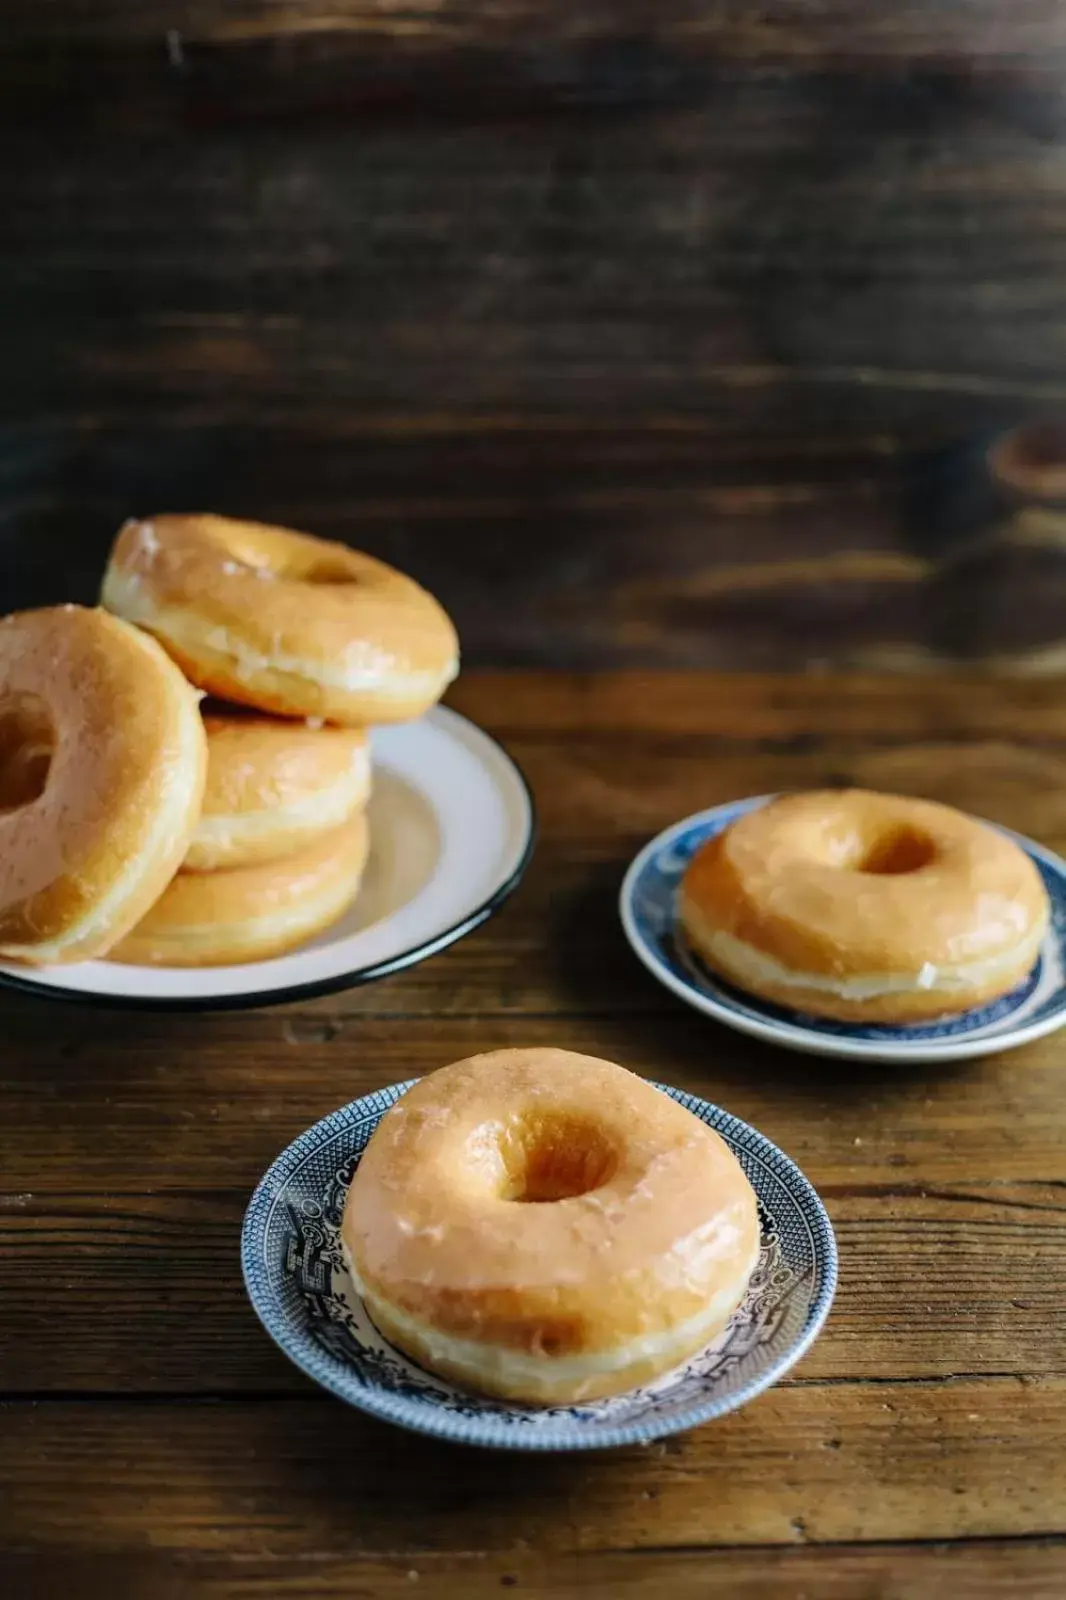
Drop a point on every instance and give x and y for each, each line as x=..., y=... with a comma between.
x=102, y=763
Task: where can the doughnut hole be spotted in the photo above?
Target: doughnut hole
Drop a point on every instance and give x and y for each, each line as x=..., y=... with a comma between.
x=329, y=570
x=319, y=571
x=895, y=852
x=27, y=744
x=545, y=1156
x=265, y=560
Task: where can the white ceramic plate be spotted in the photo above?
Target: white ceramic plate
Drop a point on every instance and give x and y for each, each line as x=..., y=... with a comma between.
x=648, y=911
x=452, y=827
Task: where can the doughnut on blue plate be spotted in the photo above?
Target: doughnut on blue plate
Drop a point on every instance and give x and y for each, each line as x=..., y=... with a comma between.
x=648, y=907
x=297, y=1281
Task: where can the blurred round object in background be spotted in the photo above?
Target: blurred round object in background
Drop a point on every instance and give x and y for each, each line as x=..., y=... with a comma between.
x=1030, y=461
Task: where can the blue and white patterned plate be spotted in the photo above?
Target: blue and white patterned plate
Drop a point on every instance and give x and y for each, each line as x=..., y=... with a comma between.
x=298, y=1283
x=648, y=910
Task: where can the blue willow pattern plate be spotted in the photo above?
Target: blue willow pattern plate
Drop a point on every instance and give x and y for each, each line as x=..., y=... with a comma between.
x=647, y=907
x=298, y=1283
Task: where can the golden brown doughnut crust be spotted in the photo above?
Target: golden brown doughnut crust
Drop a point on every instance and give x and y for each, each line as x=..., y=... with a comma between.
x=211, y=919
x=893, y=909
x=82, y=859
x=282, y=621
x=273, y=787
x=538, y=1203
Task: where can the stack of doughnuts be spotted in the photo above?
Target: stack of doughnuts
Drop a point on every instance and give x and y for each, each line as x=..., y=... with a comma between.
x=278, y=851
x=138, y=824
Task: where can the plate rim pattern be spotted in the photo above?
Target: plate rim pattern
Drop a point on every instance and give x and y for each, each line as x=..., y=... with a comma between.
x=341, y=1379
x=805, y=1034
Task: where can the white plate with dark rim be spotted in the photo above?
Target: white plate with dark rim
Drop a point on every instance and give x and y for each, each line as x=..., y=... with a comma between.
x=302, y=1292
x=647, y=905
x=452, y=829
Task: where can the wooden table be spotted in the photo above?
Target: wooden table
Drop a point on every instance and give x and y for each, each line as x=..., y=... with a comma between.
x=153, y=1443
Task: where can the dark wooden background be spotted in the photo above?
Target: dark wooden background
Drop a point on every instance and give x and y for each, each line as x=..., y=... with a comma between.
x=650, y=331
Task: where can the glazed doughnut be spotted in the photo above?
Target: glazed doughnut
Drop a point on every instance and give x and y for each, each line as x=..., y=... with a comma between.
x=102, y=760
x=273, y=787
x=213, y=919
x=547, y=1227
x=865, y=907
x=282, y=621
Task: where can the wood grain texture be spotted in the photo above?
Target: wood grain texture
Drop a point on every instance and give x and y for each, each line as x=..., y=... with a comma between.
x=973, y=27
x=156, y=1445
x=456, y=58
x=156, y=65
x=144, y=1268
x=655, y=544
x=710, y=262
x=828, y=1463
x=189, y=1103
x=470, y=282
x=985, y=1569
